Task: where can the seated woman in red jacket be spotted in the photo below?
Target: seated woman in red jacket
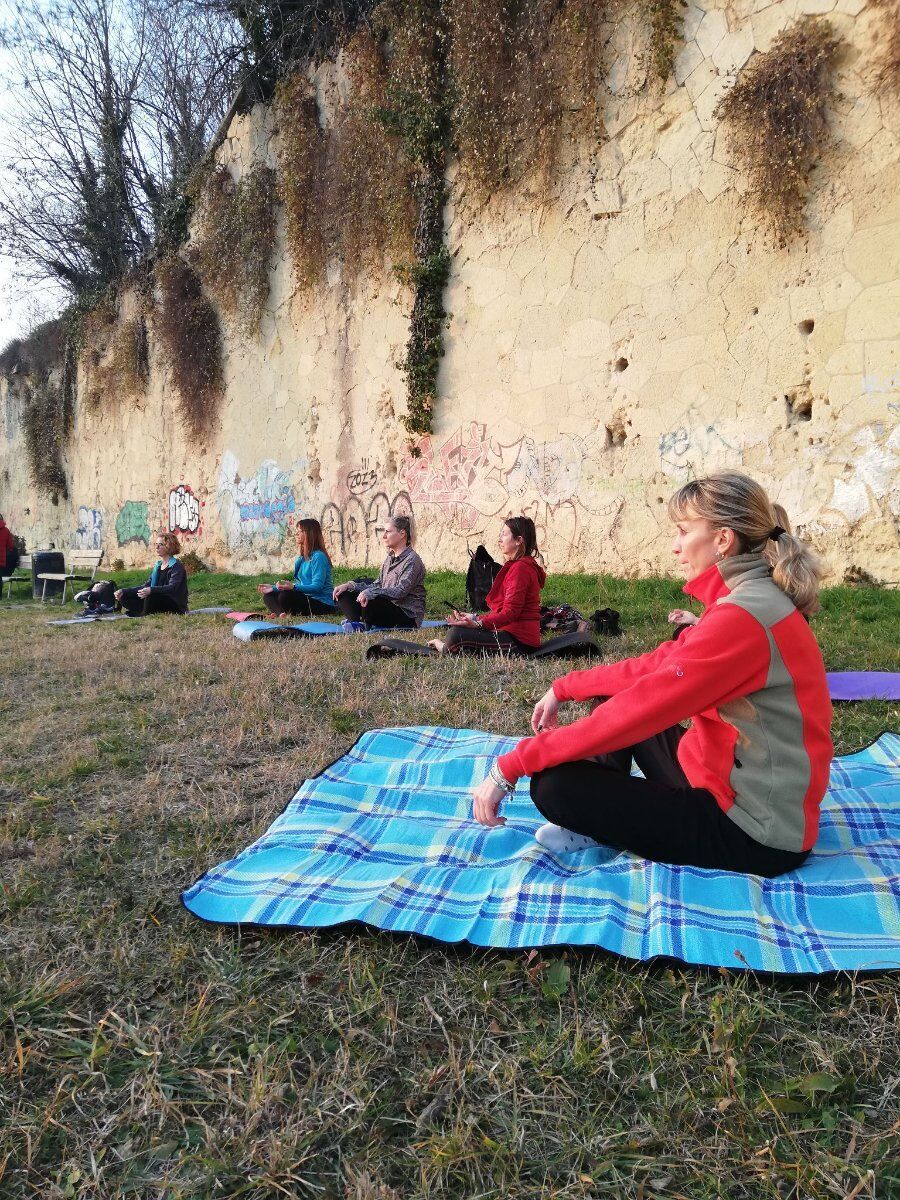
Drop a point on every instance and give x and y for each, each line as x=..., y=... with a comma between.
x=740, y=790
x=512, y=624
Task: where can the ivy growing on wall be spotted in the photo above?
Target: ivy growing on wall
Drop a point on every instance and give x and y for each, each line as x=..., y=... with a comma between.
x=232, y=250
x=666, y=18
x=507, y=83
x=415, y=112
x=776, y=118
x=190, y=338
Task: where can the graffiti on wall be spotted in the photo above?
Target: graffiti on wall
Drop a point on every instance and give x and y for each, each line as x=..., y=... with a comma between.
x=184, y=510
x=133, y=523
x=352, y=530
x=89, y=529
x=694, y=448
x=468, y=483
x=362, y=479
x=258, y=510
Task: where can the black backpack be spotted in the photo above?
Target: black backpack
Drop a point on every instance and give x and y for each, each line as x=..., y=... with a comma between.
x=480, y=576
x=606, y=622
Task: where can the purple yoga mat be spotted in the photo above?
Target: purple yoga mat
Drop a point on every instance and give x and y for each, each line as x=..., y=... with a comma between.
x=864, y=685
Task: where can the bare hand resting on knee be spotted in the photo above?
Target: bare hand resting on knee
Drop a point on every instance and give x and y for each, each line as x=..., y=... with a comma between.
x=545, y=715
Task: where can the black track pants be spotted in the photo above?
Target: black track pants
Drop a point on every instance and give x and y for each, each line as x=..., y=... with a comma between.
x=154, y=603
x=660, y=817
x=296, y=604
x=379, y=611
x=462, y=639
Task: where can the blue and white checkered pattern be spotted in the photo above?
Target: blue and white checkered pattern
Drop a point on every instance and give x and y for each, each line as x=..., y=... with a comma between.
x=386, y=836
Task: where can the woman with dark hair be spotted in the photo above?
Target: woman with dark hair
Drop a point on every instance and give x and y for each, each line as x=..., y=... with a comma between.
x=166, y=591
x=397, y=599
x=512, y=624
x=738, y=791
x=310, y=593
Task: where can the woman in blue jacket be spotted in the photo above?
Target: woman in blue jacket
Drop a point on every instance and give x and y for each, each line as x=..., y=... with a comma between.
x=310, y=593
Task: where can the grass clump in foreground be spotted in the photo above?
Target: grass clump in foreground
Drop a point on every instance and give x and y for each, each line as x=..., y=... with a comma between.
x=145, y=1054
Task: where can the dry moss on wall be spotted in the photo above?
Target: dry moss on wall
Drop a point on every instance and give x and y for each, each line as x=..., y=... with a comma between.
x=887, y=51
x=235, y=238
x=777, y=123
x=114, y=353
x=522, y=75
x=346, y=188
x=190, y=339
x=41, y=368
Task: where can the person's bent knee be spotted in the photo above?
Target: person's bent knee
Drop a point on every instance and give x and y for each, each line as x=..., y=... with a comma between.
x=544, y=794
x=453, y=640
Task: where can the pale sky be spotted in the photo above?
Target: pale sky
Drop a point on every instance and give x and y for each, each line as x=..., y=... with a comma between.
x=22, y=306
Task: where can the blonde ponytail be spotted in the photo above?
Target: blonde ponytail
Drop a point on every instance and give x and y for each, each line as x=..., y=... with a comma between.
x=731, y=500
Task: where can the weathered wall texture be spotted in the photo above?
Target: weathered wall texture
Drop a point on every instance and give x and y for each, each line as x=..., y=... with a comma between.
x=601, y=351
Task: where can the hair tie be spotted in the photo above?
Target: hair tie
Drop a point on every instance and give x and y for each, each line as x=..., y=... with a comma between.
x=776, y=533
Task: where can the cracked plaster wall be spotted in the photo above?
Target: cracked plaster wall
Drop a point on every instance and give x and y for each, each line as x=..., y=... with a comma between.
x=635, y=333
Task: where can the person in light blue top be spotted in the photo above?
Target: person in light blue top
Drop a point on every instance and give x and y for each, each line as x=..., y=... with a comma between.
x=310, y=593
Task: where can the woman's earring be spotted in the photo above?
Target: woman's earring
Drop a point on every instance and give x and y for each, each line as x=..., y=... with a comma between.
x=719, y=556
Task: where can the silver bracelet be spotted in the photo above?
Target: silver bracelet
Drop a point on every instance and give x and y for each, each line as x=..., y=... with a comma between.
x=498, y=779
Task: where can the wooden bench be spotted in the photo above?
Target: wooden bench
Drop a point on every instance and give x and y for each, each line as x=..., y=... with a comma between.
x=22, y=574
x=80, y=560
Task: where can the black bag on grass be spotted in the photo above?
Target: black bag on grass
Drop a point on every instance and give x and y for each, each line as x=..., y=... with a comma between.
x=482, y=572
x=561, y=618
x=606, y=621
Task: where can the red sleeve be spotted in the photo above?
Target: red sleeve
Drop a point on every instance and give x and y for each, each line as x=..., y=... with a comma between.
x=609, y=679
x=717, y=663
x=517, y=585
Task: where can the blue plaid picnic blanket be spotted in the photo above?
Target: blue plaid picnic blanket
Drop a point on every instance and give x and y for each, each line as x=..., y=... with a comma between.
x=385, y=836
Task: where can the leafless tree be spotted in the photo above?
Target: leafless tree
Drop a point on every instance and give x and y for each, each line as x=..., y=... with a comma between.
x=112, y=106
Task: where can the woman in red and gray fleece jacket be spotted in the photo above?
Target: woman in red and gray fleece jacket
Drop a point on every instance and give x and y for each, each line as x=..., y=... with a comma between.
x=740, y=790
x=512, y=624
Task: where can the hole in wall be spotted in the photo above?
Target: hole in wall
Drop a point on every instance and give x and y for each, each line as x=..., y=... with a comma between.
x=798, y=406
x=806, y=327
x=754, y=311
x=620, y=365
x=616, y=430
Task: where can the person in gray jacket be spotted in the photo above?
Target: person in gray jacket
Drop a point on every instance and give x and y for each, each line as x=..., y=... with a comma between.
x=397, y=599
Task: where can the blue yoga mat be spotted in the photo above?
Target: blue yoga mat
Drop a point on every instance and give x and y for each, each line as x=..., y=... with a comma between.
x=249, y=631
x=385, y=836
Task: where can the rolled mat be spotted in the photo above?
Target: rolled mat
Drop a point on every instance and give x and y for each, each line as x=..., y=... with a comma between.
x=864, y=685
x=385, y=836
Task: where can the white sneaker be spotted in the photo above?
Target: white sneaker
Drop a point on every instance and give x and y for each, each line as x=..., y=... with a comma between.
x=562, y=841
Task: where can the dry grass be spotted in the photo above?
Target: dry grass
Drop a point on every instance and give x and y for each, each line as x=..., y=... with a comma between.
x=146, y=1054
